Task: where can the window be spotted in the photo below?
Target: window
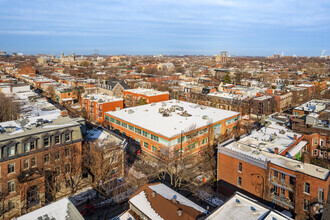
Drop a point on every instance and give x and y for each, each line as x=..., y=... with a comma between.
x=11, y=204
x=46, y=158
x=46, y=142
x=112, y=120
x=239, y=181
x=11, y=168
x=315, y=152
x=68, y=94
x=153, y=148
x=275, y=190
x=315, y=141
x=124, y=125
x=26, y=164
x=145, y=134
x=33, y=161
x=154, y=137
x=118, y=122
x=26, y=147
x=275, y=174
x=67, y=168
x=282, y=177
x=321, y=142
x=307, y=188
x=131, y=127
x=57, y=139
x=306, y=205
x=33, y=197
x=32, y=145
x=239, y=167
x=145, y=144
x=11, y=151
x=137, y=130
x=67, y=137
x=67, y=152
x=57, y=155
x=11, y=186
x=204, y=141
x=321, y=195
x=282, y=191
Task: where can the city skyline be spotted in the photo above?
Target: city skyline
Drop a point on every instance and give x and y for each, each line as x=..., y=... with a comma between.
x=254, y=28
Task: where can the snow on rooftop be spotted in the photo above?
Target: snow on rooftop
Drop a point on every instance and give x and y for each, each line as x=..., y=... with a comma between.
x=239, y=207
x=126, y=216
x=296, y=149
x=241, y=147
x=168, y=193
x=104, y=98
x=61, y=210
x=146, y=92
x=141, y=202
x=148, y=117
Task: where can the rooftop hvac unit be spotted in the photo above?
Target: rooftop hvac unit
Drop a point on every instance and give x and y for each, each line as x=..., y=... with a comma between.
x=130, y=111
x=205, y=117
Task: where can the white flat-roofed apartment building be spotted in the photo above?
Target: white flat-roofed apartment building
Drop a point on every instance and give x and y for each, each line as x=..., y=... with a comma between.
x=165, y=126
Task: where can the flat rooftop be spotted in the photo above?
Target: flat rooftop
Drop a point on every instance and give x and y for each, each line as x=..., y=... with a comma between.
x=314, y=105
x=241, y=207
x=146, y=92
x=101, y=98
x=244, y=148
x=180, y=116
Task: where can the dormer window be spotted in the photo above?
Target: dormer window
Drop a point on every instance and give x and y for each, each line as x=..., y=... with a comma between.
x=11, y=151
x=46, y=141
x=67, y=137
x=57, y=139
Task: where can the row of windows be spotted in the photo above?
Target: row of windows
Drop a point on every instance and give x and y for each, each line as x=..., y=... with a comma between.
x=32, y=162
x=32, y=145
x=67, y=169
x=230, y=121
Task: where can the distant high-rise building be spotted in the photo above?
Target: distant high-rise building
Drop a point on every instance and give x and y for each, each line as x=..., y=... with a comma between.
x=222, y=57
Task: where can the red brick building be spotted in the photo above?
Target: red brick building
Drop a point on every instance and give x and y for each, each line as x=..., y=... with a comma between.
x=134, y=97
x=172, y=126
x=96, y=105
x=290, y=184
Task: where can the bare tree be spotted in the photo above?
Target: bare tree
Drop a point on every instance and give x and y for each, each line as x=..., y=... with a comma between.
x=9, y=109
x=104, y=161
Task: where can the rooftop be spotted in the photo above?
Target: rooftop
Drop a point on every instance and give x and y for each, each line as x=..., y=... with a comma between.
x=254, y=152
x=23, y=127
x=241, y=207
x=60, y=210
x=102, y=98
x=157, y=201
x=172, y=116
x=146, y=92
x=314, y=105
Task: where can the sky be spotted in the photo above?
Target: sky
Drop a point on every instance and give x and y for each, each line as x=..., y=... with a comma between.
x=168, y=27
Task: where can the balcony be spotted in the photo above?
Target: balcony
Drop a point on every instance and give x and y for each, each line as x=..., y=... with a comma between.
x=281, y=183
x=282, y=200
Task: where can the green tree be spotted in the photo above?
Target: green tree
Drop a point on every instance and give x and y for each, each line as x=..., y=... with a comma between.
x=227, y=78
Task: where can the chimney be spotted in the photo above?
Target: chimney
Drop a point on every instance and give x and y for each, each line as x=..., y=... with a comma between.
x=153, y=194
x=295, y=137
x=306, y=157
x=276, y=150
x=64, y=113
x=179, y=212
